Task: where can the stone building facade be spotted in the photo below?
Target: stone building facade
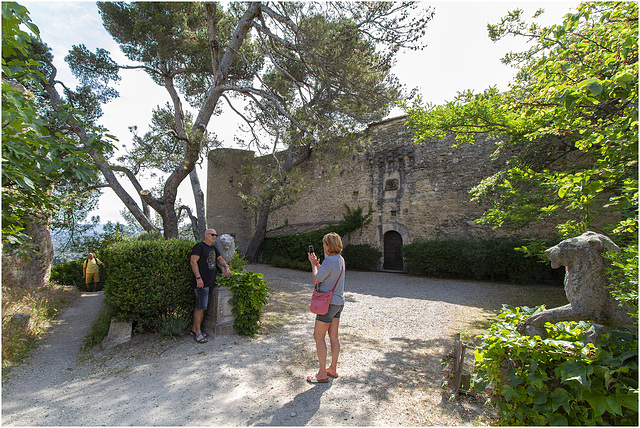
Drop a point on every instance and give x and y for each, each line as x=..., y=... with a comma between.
x=417, y=192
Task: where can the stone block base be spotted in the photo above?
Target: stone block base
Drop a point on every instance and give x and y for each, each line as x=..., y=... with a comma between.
x=218, y=318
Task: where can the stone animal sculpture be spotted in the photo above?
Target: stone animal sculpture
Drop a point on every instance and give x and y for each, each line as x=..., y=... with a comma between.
x=226, y=246
x=585, y=285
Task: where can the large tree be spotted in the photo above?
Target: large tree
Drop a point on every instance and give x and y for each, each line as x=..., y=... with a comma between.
x=568, y=125
x=301, y=71
x=568, y=128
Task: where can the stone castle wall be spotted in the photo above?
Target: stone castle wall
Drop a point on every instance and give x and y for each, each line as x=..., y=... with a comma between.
x=417, y=192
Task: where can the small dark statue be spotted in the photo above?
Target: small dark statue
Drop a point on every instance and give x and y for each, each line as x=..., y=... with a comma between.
x=585, y=284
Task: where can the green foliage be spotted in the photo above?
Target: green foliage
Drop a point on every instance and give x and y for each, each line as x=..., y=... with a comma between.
x=149, y=280
x=295, y=247
x=150, y=284
x=360, y=257
x=283, y=262
x=250, y=293
x=174, y=324
x=568, y=126
x=566, y=131
x=623, y=277
x=559, y=380
x=70, y=273
x=34, y=155
x=483, y=260
x=237, y=262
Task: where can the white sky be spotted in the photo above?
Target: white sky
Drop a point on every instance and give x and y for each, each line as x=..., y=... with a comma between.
x=458, y=56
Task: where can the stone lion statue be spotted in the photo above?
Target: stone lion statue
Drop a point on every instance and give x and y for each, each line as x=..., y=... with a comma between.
x=585, y=285
x=226, y=245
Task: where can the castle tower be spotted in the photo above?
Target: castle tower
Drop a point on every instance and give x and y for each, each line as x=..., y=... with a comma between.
x=224, y=205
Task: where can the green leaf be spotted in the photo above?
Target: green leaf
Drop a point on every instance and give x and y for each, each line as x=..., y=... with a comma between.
x=557, y=420
x=613, y=405
x=562, y=192
x=594, y=86
x=575, y=370
x=597, y=402
x=629, y=401
x=625, y=76
x=560, y=397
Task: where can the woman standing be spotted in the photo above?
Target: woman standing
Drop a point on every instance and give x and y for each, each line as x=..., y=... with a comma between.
x=325, y=276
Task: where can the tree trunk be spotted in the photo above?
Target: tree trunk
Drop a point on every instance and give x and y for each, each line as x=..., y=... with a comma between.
x=198, y=196
x=18, y=271
x=258, y=237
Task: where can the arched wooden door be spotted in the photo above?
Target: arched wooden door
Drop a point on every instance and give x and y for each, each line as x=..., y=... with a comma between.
x=392, y=251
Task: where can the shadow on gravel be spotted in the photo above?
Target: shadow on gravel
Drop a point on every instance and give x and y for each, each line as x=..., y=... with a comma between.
x=306, y=405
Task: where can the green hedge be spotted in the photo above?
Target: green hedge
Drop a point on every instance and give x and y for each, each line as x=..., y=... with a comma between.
x=481, y=260
x=361, y=257
x=559, y=380
x=149, y=281
x=294, y=247
x=150, y=284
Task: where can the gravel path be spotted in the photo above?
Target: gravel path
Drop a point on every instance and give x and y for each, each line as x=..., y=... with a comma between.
x=395, y=331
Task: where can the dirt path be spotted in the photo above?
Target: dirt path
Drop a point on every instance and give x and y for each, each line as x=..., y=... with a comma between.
x=395, y=331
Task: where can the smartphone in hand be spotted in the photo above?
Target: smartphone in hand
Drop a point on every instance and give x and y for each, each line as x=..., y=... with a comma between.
x=311, y=249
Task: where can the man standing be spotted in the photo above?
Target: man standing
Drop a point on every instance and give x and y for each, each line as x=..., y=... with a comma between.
x=203, y=265
x=90, y=271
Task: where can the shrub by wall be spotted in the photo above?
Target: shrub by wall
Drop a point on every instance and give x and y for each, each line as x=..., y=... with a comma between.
x=149, y=281
x=482, y=260
x=559, y=380
x=361, y=257
x=291, y=250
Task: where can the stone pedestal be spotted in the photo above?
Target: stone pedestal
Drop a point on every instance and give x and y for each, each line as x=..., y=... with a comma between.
x=218, y=318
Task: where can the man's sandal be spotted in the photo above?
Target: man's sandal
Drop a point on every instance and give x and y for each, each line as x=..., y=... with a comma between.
x=200, y=338
x=204, y=333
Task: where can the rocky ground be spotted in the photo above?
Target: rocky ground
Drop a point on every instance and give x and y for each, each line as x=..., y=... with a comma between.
x=395, y=332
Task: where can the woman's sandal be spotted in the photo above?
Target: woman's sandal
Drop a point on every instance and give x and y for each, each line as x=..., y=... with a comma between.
x=333, y=375
x=200, y=338
x=313, y=379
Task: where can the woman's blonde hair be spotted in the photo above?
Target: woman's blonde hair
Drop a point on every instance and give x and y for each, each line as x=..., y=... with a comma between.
x=333, y=242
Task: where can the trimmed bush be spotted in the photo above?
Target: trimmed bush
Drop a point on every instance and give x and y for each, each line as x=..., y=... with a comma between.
x=481, y=260
x=149, y=281
x=150, y=285
x=559, y=380
x=361, y=257
x=282, y=262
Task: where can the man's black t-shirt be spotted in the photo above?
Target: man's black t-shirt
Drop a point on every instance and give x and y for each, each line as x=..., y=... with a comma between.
x=206, y=263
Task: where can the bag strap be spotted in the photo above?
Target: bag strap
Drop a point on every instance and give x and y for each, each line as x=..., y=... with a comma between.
x=334, y=285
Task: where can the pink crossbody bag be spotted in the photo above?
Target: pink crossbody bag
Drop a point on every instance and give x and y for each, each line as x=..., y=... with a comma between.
x=320, y=301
